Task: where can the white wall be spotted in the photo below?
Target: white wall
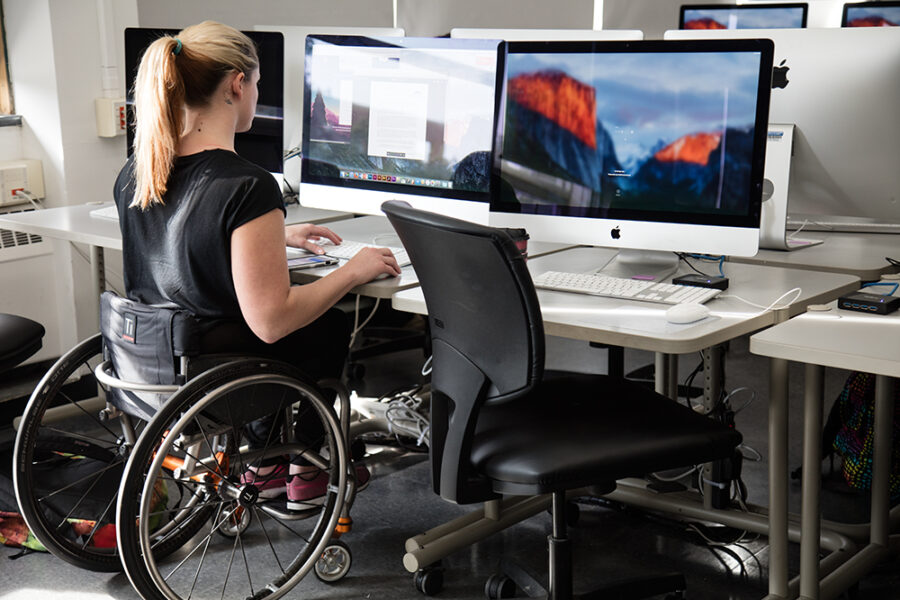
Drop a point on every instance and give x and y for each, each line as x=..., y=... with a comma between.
x=244, y=15
x=438, y=17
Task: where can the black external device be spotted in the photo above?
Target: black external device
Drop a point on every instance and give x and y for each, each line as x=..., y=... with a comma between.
x=697, y=280
x=870, y=303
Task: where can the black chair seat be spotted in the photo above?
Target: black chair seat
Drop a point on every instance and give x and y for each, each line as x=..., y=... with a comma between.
x=20, y=338
x=577, y=430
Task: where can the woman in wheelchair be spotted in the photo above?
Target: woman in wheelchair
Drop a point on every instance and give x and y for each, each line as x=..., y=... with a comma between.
x=203, y=228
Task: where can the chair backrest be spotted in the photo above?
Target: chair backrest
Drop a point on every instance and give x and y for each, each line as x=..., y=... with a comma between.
x=145, y=344
x=486, y=329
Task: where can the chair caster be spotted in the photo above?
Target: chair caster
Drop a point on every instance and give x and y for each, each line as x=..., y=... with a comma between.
x=237, y=523
x=430, y=580
x=334, y=563
x=499, y=586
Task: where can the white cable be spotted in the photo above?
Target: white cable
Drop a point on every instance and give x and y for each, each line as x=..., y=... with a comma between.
x=745, y=404
x=676, y=477
x=799, y=229
x=426, y=368
x=774, y=306
x=357, y=329
x=27, y=196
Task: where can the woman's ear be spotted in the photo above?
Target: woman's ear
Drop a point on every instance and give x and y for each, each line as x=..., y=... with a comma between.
x=237, y=85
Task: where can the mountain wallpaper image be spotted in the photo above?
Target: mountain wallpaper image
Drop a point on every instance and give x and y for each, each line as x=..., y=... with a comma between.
x=630, y=134
x=748, y=17
x=873, y=16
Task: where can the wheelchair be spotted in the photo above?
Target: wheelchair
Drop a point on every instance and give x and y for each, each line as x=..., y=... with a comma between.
x=131, y=451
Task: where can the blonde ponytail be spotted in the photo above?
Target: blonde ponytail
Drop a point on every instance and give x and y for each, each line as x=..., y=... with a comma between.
x=176, y=72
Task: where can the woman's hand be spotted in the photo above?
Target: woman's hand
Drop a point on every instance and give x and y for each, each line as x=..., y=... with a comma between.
x=305, y=235
x=370, y=263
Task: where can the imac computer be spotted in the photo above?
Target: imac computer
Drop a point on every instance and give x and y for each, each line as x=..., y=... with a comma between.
x=527, y=35
x=399, y=118
x=742, y=16
x=263, y=144
x=871, y=14
x=838, y=88
x=294, y=54
x=651, y=147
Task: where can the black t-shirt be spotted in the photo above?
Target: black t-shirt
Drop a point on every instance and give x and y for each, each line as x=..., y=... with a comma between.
x=179, y=253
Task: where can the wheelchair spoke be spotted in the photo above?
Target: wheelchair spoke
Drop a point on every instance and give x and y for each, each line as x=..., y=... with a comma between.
x=98, y=523
x=101, y=443
x=86, y=413
x=269, y=541
x=286, y=526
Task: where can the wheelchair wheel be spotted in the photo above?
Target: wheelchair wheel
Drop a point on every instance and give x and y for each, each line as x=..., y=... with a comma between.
x=69, y=461
x=201, y=432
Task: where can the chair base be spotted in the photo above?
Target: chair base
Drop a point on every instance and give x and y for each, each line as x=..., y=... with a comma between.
x=513, y=577
x=513, y=581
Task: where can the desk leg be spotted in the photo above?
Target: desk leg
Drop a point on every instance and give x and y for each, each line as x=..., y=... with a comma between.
x=714, y=376
x=811, y=519
x=778, y=478
x=881, y=460
x=666, y=375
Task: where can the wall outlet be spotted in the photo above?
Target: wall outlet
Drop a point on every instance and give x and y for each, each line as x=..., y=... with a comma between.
x=24, y=175
x=112, y=119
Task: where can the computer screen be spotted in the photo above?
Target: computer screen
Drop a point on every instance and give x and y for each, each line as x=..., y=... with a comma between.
x=742, y=16
x=547, y=34
x=399, y=118
x=871, y=14
x=639, y=145
x=263, y=144
x=843, y=168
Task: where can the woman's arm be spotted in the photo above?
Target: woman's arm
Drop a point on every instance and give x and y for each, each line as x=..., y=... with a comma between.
x=270, y=305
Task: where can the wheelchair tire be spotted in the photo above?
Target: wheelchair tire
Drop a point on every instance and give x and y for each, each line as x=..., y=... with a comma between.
x=68, y=466
x=44, y=444
x=201, y=425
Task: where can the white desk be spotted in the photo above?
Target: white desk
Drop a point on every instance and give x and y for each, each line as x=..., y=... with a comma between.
x=846, y=340
x=75, y=224
x=860, y=254
x=379, y=231
x=642, y=325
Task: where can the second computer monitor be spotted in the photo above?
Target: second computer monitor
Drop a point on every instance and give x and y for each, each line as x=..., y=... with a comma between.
x=636, y=145
x=742, y=16
x=871, y=14
x=399, y=118
x=528, y=35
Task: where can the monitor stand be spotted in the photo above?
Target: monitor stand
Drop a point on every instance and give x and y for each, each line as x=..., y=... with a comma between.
x=646, y=265
x=773, y=213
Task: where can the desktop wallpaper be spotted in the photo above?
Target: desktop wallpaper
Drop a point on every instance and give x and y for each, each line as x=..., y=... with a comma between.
x=755, y=18
x=591, y=132
x=884, y=16
x=421, y=119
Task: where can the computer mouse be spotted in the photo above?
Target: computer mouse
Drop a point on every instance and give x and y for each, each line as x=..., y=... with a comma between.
x=686, y=313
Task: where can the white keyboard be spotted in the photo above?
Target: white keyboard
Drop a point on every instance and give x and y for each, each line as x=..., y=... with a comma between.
x=107, y=212
x=347, y=249
x=620, y=287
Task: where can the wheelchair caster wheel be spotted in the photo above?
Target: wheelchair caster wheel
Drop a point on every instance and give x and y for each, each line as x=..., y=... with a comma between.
x=429, y=581
x=499, y=586
x=237, y=523
x=334, y=563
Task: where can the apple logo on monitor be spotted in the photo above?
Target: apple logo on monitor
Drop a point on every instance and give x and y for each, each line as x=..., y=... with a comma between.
x=615, y=233
x=779, y=75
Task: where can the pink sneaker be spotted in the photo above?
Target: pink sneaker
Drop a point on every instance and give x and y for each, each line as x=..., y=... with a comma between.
x=305, y=490
x=270, y=481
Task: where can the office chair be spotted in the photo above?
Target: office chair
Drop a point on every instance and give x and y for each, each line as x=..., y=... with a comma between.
x=500, y=424
x=19, y=339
